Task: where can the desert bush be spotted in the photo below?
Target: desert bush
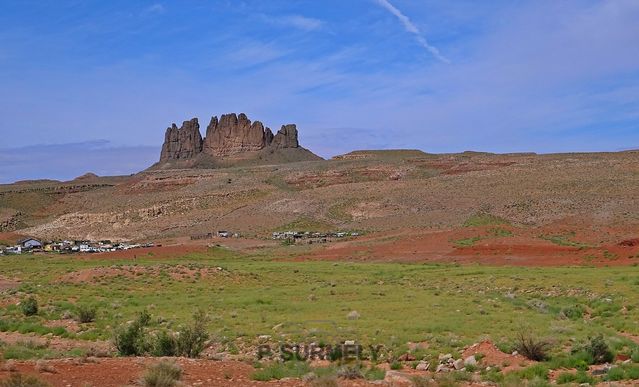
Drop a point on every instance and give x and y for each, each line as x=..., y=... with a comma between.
x=86, y=313
x=276, y=371
x=396, y=366
x=350, y=372
x=575, y=312
x=531, y=347
x=165, y=345
x=29, y=306
x=131, y=340
x=581, y=377
x=537, y=371
x=18, y=380
x=191, y=340
x=325, y=381
x=162, y=374
x=599, y=350
x=374, y=373
x=422, y=381
x=616, y=374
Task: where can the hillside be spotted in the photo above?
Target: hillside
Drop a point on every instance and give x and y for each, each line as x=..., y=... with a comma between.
x=379, y=192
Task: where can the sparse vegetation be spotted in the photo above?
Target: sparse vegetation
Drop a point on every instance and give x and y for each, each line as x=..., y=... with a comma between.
x=162, y=374
x=599, y=350
x=277, y=371
x=131, y=340
x=86, y=313
x=29, y=306
x=192, y=338
x=19, y=380
x=483, y=219
x=531, y=347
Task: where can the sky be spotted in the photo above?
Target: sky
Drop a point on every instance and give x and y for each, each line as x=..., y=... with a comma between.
x=90, y=85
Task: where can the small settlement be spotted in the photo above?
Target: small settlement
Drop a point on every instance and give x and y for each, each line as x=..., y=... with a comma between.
x=32, y=245
x=310, y=237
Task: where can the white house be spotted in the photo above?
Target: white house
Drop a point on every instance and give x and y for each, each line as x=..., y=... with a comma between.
x=30, y=243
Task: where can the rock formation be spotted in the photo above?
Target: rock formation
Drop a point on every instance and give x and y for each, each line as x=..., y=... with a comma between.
x=231, y=136
x=236, y=134
x=182, y=143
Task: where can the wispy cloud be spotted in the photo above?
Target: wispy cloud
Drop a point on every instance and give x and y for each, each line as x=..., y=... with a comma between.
x=296, y=21
x=154, y=9
x=410, y=27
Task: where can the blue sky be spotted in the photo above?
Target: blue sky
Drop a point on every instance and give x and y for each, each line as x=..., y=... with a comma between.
x=441, y=76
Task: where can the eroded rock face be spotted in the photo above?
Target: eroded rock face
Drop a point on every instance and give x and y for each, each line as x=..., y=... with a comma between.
x=286, y=137
x=183, y=143
x=230, y=135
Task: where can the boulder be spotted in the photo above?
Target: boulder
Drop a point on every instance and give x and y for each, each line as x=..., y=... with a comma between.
x=423, y=366
x=470, y=361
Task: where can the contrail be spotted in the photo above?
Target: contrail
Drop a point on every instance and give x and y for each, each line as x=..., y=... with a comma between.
x=412, y=28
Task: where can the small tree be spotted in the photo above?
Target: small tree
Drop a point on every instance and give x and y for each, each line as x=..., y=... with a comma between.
x=29, y=306
x=131, y=340
x=192, y=339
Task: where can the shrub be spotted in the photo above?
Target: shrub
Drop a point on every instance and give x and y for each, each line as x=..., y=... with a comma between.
x=575, y=312
x=616, y=374
x=131, y=340
x=599, y=350
x=277, y=371
x=165, y=345
x=86, y=313
x=325, y=381
x=530, y=347
x=581, y=377
x=18, y=380
x=635, y=355
x=537, y=371
x=162, y=374
x=350, y=372
x=29, y=306
x=396, y=366
x=374, y=373
x=192, y=339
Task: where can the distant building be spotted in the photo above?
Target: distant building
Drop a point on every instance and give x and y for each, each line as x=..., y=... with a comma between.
x=30, y=243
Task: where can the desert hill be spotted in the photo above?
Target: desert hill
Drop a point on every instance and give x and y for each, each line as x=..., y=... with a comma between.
x=372, y=191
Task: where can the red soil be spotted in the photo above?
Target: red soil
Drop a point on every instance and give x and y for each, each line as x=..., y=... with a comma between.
x=117, y=372
x=492, y=356
x=525, y=247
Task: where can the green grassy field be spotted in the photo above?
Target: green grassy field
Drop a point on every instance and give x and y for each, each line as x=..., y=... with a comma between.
x=447, y=306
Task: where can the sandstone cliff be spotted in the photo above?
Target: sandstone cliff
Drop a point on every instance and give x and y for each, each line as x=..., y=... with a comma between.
x=231, y=137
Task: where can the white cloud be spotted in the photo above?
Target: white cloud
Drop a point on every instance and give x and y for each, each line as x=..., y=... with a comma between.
x=296, y=21
x=154, y=9
x=410, y=27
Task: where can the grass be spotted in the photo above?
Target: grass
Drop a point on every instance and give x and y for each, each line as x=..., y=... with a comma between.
x=564, y=240
x=304, y=224
x=467, y=242
x=277, y=371
x=162, y=374
x=448, y=306
x=483, y=219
